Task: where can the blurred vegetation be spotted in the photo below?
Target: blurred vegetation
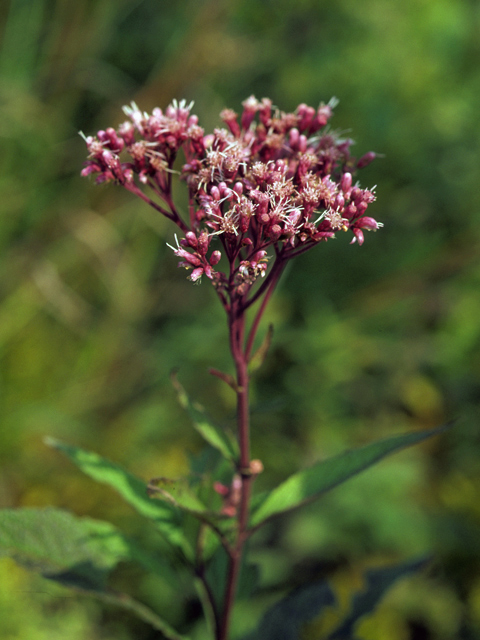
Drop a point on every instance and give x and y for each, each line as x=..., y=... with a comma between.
x=368, y=341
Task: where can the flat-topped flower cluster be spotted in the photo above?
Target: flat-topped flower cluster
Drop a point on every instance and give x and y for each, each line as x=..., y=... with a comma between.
x=269, y=185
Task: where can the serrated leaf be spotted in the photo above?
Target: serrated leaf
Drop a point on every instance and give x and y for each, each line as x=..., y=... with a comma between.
x=377, y=583
x=60, y=546
x=309, y=484
x=78, y=553
x=287, y=616
x=166, y=517
x=213, y=434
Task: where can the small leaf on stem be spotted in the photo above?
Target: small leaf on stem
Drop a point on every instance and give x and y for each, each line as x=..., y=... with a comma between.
x=214, y=435
x=226, y=377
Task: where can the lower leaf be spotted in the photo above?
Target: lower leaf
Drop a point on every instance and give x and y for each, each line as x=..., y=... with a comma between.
x=76, y=552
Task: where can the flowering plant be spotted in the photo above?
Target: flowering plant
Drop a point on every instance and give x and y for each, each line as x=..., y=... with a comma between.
x=264, y=189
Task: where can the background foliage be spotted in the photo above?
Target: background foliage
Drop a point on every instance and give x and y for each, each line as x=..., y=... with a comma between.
x=369, y=341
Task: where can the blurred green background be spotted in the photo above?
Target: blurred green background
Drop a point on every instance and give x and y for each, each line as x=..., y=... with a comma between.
x=368, y=341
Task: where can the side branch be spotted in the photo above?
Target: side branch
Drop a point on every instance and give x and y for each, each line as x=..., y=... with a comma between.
x=273, y=279
x=173, y=215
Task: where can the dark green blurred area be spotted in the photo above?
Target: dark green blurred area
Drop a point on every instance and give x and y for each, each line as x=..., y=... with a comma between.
x=369, y=341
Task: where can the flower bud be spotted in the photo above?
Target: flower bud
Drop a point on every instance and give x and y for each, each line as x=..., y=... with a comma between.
x=208, y=271
x=350, y=211
x=275, y=232
x=362, y=207
x=127, y=131
x=238, y=188
x=265, y=111
x=215, y=193
x=230, y=118
x=306, y=115
x=208, y=140
x=203, y=242
x=90, y=168
x=356, y=195
x=366, y=160
x=369, y=223
x=244, y=222
x=339, y=202
x=190, y=258
x=263, y=218
x=191, y=239
x=116, y=143
x=259, y=255
x=215, y=258
x=224, y=190
x=324, y=114
x=346, y=182
x=358, y=237
x=250, y=107
x=110, y=159
x=261, y=199
x=196, y=274
x=293, y=137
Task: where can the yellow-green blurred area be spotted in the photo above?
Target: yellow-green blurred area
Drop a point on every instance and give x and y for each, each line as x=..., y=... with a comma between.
x=369, y=341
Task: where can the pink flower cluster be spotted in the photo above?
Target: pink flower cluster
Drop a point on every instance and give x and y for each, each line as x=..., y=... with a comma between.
x=267, y=181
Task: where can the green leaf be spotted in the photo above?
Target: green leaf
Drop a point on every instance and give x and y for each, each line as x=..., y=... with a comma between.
x=74, y=551
x=378, y=581
x=165, y=515
x=78, y=553
x=287, y=616
x=213, y=434
x=309, y=484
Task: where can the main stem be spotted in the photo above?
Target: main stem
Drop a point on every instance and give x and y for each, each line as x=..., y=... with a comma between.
x=237, y=338
x=241, y=348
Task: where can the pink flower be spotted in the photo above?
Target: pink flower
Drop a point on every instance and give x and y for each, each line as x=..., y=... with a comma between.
x=268, y=180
